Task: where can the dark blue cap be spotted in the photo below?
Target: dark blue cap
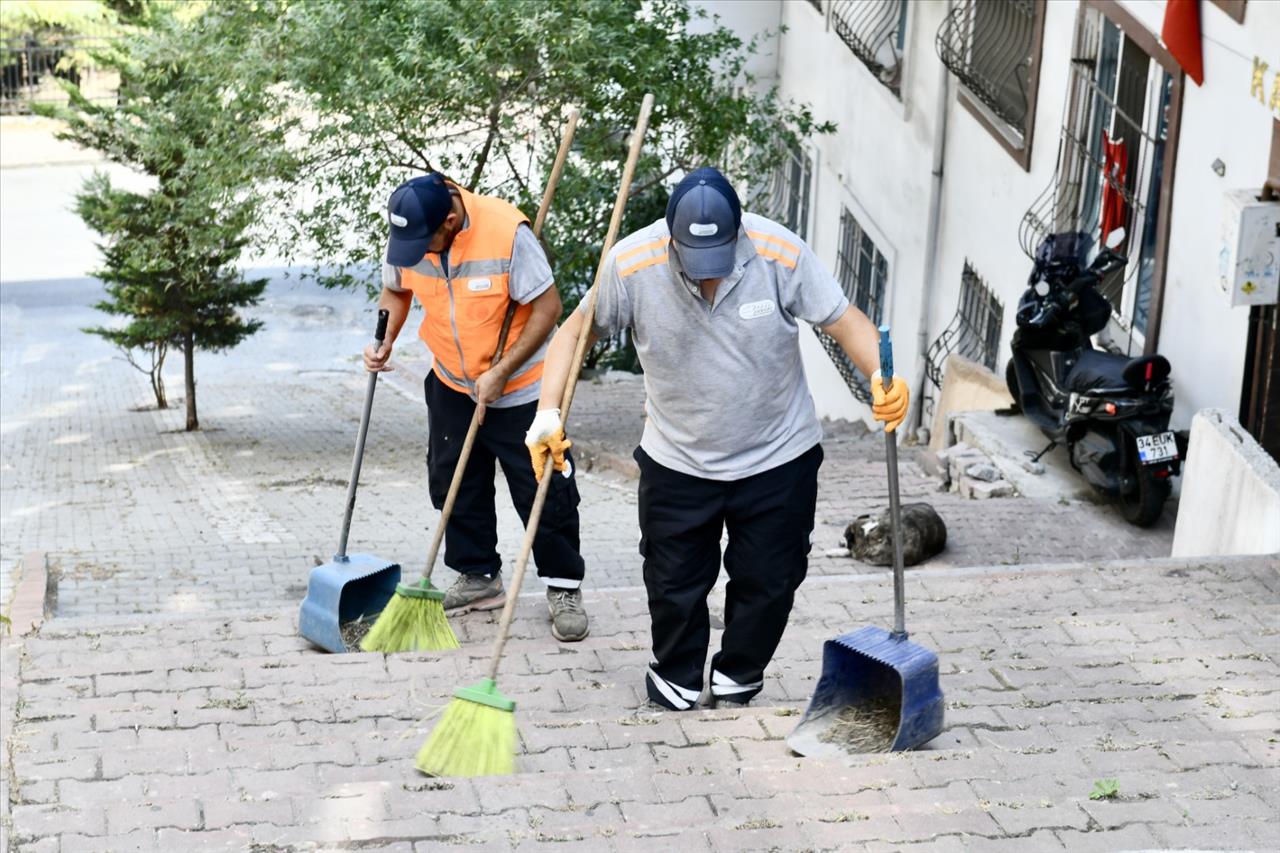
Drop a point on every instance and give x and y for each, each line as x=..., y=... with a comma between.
x=703, y=216
x=416, y=210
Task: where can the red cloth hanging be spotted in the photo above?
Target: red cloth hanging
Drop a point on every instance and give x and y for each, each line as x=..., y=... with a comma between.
x=1115, y=210
x=1181, y=34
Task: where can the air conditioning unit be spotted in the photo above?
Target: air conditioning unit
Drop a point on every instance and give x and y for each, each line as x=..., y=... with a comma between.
x=1249, y=254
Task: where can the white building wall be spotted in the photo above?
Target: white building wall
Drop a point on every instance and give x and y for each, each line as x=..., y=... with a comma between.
x=878, y=164
x=1200, y=333
x=748, y=19
x=986, y=192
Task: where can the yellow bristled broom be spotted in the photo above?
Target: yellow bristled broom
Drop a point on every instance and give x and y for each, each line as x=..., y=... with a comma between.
x=476, y=735
x=414, y=618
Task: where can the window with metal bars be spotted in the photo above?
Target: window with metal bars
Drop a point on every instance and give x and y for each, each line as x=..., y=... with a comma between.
x=784, y=197
x=974, y=331
x=863, y=271
x=993, y=48
x=1111, y=164
x=875, y=30
x=861, y=268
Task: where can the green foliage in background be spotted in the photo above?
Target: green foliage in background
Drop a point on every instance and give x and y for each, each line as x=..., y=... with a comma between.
x=479, y=90
x=206, y=137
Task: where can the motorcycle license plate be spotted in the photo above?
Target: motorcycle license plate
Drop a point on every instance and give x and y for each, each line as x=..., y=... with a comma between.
x=1157, y=448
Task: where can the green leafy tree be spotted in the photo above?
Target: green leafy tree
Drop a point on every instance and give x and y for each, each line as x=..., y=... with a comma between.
x=478, y=90
x=206, y=135
x=169, y=271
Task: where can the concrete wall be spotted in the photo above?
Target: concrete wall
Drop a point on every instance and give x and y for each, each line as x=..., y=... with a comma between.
x=757, y=18
x=1230, y=492
x=967, y=387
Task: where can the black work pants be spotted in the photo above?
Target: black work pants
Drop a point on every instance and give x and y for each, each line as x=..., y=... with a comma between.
x=769, y=518
x=471, y=538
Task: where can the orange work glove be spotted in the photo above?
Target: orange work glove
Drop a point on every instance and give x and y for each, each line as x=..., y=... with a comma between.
x=889, y=406
x=546, y=436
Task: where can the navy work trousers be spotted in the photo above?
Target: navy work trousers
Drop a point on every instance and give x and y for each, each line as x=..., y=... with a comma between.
x=769, y=518
x=471, y=539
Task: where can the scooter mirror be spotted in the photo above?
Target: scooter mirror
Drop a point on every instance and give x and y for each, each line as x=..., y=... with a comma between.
x=1115, y=238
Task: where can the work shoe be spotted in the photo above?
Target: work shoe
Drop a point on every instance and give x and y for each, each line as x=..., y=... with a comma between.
x=475, y=592
x=568, y=618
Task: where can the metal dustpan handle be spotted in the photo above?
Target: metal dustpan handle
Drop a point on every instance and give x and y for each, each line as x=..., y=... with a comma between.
x=895, y=507
x=379, y=335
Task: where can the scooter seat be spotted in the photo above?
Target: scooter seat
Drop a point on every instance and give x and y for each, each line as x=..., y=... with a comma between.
x=1096, y=371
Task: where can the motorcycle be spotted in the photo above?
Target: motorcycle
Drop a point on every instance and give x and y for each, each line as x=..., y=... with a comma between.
x=1110, y=411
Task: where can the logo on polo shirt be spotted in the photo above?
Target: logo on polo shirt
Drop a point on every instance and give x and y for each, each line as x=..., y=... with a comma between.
x=756, y=310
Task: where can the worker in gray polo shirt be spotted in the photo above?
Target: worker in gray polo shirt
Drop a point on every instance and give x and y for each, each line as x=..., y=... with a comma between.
x=714, y=297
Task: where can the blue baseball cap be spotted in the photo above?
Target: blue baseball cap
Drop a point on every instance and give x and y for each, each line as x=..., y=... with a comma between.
x=703, y=216
x=416, y=210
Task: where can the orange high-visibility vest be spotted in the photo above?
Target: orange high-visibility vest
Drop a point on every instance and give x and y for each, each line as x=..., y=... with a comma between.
x=466, y=303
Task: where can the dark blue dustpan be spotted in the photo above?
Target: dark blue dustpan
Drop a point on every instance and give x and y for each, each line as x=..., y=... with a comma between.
x=872, y=676
x=350, y=586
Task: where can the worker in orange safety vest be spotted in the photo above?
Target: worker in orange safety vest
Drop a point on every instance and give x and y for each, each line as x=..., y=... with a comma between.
x=466, y=257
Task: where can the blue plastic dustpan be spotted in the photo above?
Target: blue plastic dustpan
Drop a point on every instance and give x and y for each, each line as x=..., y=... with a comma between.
x=867, y=667
x=872, y=666
x=342, y=591
x=350, y=585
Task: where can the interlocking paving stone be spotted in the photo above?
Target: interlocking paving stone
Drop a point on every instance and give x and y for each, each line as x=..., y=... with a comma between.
x=172, y=680
x=594, y=773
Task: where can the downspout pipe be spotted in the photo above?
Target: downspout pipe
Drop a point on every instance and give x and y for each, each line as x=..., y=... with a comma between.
x=932, y=236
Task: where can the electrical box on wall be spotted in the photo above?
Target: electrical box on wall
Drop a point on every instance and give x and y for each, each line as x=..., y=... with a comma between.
x=1249, y=254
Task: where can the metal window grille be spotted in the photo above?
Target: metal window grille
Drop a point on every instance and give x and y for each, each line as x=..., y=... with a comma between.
x=33, y=60
x=875, y=31
x=974, y=331
x=784, y=197
x=989, y=45
x=1110, y=159
x=862, y=271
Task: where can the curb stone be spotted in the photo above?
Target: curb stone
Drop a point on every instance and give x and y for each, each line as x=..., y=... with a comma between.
x=34, y=595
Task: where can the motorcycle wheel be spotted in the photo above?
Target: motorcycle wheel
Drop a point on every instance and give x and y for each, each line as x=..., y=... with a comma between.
x=1144, y=504
x=1011, y=380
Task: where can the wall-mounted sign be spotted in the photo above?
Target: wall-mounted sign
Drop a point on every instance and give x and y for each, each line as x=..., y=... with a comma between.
x=1259, y=89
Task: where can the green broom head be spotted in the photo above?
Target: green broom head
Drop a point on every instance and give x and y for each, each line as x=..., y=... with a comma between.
x=412, y=621
x=476, y=735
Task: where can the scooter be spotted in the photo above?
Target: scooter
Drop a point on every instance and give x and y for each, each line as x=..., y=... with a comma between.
x=1110, y=411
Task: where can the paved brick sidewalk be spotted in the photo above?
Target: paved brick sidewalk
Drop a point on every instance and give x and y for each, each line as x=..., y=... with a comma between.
x=205, y=733
x=140, y=517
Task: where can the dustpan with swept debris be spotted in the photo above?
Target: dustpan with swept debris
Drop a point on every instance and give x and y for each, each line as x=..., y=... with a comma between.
x=878, y=691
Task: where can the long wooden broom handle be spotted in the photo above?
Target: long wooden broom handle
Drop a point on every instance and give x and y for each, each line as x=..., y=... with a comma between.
x=544, y=485
x=557, y=169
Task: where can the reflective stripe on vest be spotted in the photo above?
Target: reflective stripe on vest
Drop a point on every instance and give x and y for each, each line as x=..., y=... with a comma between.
x=465, y=307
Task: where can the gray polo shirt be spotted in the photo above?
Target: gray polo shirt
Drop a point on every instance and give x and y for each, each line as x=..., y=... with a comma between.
x=726, y=391
x=529, y=278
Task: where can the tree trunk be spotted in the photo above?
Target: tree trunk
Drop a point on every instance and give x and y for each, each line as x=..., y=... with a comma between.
x=157, y=375
x=189, y=357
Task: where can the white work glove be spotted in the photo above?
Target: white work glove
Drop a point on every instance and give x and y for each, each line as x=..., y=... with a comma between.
x=546, y=436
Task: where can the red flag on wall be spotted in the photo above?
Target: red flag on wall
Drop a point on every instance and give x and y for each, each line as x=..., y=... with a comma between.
x=1181, y=34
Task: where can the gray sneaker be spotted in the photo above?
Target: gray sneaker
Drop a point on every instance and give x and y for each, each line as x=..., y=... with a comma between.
x=475, y=592
x=568, y=618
